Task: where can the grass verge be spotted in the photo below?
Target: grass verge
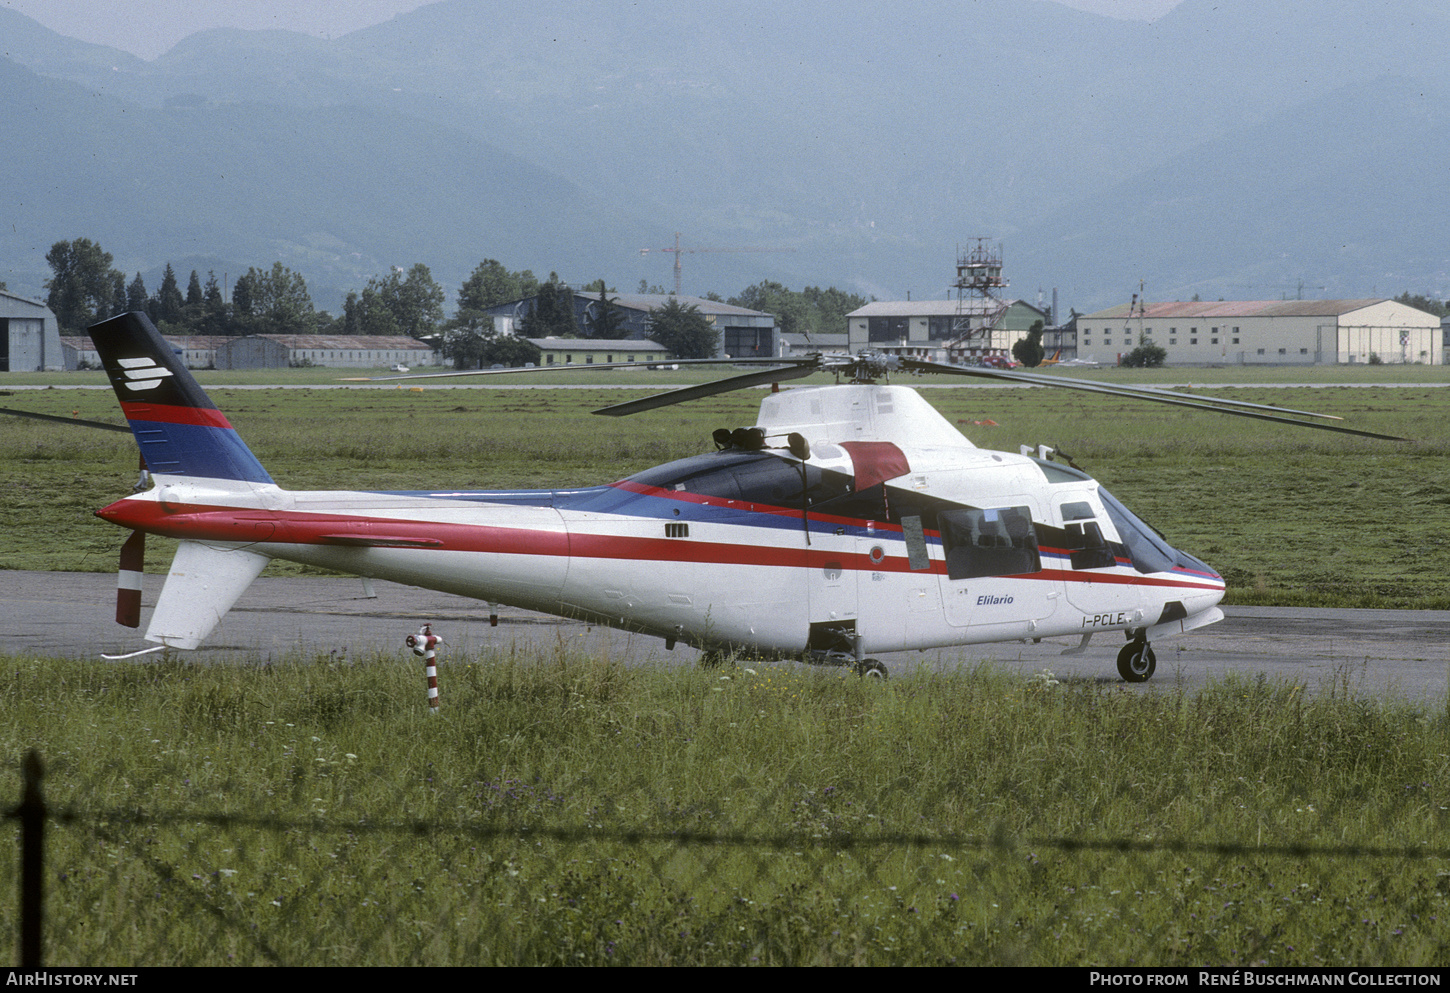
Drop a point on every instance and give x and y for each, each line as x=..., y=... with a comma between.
x=571, y=809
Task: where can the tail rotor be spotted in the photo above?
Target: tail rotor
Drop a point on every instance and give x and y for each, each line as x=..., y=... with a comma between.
x=128, y=581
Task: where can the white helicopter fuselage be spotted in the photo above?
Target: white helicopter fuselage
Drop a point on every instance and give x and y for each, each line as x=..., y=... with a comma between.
x=893, y=533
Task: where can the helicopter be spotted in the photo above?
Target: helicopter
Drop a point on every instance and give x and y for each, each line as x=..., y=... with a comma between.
x=849, y=520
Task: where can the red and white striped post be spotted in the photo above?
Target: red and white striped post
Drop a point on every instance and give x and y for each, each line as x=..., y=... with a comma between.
x=424, y=644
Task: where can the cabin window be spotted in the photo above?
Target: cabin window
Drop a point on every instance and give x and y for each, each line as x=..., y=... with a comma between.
x=991, y=542
x=751, y=477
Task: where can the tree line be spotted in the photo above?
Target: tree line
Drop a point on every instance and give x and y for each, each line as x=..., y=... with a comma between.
x=85, y=288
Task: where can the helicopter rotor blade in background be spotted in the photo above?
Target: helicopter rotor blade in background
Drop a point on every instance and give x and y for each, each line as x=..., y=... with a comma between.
x=78, y=422
x=588, y=367
x=744, y=381
x=1238, y=408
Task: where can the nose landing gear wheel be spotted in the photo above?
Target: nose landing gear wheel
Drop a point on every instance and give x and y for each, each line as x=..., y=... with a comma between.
x=870, y=669
x=1136, y=662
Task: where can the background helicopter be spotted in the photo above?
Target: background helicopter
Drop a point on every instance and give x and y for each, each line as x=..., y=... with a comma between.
x=849, y=520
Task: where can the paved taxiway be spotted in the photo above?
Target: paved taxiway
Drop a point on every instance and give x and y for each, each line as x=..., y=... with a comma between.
x=1379, y=652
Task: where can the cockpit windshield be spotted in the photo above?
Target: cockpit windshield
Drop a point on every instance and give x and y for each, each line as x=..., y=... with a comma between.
x=1148, y=550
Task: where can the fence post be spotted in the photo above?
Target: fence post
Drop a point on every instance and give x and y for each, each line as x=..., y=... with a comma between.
x=32, y=859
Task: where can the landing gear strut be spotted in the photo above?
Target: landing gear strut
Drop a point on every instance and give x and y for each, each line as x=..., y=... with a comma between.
x=1136, y=662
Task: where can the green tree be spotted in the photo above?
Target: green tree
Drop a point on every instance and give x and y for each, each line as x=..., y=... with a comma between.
x=553, y=312
x=352, y=314
x=463, y=340
x=166, y=307
x=136, y=295
x=81, y=287
x=491, y=284
x=211, y=315
x=1145, y=356
x=831, y=307
x=193, y=290
x=1029, y=350
x=399, y=304
x=272, y=301
x=477, y=344
x=118, y=292
x=1428, y=304
x=684, y=331
x=791, y=310
x=811, y=311
x=374, y=316
x=502, y=348
x=242, y=292
x=604, y=319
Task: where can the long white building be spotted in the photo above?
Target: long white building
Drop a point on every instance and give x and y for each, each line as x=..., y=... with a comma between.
x=1277, y=332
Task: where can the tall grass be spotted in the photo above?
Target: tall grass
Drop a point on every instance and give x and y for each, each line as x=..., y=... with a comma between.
x=1291, y=517
x=571, y=808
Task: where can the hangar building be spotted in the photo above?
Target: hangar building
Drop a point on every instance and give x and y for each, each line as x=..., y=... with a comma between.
x=29, y=336
x=743, y=332
x=1277, y=332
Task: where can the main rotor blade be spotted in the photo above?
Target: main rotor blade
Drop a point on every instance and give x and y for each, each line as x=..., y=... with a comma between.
x=1238, y=408
x=572, y=367
x=65, y=420
x=741, y=382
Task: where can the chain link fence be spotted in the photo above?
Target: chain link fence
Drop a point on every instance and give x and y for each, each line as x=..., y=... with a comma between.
x=507, y=879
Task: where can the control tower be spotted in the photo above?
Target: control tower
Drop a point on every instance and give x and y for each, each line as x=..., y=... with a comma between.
x=979, y=276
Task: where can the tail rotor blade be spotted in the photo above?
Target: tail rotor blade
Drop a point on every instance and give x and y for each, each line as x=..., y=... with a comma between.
x=128, y=582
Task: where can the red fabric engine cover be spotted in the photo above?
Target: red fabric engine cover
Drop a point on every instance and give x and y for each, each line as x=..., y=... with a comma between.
x=875, y=462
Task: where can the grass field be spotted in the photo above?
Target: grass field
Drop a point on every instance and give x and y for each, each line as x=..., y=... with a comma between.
x=570, y=809
x=1291, y=517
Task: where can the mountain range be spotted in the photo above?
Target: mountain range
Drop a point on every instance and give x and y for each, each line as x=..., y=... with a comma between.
x=1229, y=149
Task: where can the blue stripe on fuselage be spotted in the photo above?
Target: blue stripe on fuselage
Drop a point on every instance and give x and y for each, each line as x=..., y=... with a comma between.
x=651, y=506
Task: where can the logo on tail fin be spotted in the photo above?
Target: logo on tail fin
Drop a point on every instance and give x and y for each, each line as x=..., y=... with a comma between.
x=143, y=373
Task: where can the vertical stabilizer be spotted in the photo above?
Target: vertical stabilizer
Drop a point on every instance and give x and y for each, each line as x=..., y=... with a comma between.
x=178, y=428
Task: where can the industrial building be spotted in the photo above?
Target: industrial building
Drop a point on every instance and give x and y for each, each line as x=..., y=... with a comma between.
x=743, y=332
x=277, y=351
x=343, y=351
x=942, y=330
x=592, y=351
x=29, y=336
x=1278, y=332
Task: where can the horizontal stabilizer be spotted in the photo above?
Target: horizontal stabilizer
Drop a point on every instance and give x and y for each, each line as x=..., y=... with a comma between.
x=202, y=586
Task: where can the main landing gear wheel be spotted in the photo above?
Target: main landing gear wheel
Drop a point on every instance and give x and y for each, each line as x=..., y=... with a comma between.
x=1136, y=662
x=870, y=669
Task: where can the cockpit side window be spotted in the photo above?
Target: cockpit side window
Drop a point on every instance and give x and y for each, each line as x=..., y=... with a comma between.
x=1083, y=536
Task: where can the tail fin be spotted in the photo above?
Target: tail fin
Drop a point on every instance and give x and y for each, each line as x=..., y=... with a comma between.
x=178, y=428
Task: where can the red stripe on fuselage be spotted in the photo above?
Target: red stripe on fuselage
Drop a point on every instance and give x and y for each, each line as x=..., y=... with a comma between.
x=233, y=524
x=166, y=414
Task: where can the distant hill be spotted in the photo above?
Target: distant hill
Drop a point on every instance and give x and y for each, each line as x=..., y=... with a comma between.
x=1228, y=144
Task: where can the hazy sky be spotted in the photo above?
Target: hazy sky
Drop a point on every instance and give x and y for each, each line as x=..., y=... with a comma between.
x=149, y=27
